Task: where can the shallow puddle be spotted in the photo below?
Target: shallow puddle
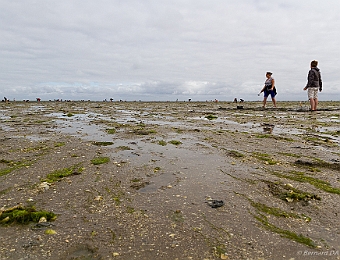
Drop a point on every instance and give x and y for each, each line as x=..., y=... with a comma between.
x=83, y=129
x=7, y=128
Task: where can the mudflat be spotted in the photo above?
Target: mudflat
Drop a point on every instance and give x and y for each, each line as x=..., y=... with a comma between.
x=169, y=180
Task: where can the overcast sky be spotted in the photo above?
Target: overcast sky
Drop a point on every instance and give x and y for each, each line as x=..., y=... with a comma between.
x=166, y=49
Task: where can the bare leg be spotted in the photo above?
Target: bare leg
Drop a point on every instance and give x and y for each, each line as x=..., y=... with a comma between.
x=274, y=101
x=264, y=101
x=315, y=103
x=312, y=104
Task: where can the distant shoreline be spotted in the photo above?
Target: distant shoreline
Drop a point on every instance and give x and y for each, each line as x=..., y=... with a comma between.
x=160, y=101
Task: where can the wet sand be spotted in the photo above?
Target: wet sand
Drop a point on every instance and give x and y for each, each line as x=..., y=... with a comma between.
x=276, y=171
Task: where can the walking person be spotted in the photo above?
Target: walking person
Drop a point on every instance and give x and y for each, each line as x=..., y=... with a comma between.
x=314, y=84
x=269, y=89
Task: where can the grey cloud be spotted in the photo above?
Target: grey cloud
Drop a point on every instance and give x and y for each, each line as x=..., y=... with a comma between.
x=165, y=48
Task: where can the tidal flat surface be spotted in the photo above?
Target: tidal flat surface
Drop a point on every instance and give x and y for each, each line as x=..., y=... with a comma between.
x=140, y=180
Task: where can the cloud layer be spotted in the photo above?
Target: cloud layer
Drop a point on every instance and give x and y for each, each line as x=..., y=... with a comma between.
x=164, y=50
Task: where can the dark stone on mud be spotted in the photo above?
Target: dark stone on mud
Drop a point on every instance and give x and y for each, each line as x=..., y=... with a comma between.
x=334, y=166
x=215, y=203
x=300, y=162
x=29, y=244
x=267, y=125
x=42, y=225
x=300, y=147
x=139, y=185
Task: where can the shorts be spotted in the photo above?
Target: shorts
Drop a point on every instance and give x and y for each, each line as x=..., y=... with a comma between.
x=272, y=93
x=313, y=93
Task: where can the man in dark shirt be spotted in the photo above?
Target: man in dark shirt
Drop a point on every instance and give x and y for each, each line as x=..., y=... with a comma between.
x=314, y=84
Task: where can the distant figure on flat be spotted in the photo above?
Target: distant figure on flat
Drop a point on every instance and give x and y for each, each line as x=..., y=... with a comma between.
x=314, y=84
x=269, y=89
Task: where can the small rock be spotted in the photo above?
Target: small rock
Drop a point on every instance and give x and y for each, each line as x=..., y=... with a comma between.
x=215, y=203
x=224, y=257
x=42, y=219
x=98, y=198
x=5, y=220
x=50, y=232
x=44, y=186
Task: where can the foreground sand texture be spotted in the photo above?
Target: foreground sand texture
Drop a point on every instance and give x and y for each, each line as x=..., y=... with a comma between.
x=135, y=180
